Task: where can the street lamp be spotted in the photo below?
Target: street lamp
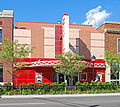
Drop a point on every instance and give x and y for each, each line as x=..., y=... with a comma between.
x=93, y=58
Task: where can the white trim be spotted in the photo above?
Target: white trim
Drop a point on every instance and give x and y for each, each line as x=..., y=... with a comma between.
x=111, y=22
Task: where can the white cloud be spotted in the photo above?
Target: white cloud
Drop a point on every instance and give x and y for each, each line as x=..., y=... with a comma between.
x=96, y=17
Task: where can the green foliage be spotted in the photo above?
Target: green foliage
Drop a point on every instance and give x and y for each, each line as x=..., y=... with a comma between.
x=13, y=51
x=70, y=64
x=7, y=86
x=30, y=86
x=12, y=54
x=22, y=86
x=113, y=60
x=55, y=88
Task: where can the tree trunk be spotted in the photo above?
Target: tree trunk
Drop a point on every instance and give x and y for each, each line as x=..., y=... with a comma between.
x=69, y=80
x=12, y=77
x=116, y=80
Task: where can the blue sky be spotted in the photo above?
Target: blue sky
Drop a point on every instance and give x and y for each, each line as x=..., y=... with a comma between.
x=52, y=10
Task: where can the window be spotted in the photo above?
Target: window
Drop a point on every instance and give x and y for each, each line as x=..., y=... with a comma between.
x=99, y=76
x=118, y=45
x=83, y=76
x=0, y=35
x=54, y=77
x=1, y=73
x=38, y=77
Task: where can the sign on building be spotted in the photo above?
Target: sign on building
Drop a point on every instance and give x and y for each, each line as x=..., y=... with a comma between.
x=65, y=21
x=38, y=77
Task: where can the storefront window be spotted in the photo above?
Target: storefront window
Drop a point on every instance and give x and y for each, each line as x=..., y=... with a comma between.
x=54, y=77
x=83, y=76
x=1, y=73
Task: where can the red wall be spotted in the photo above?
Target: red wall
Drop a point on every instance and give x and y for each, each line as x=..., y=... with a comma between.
x=47, y=72
x=58, y=39
x=89, y=72
x=30, y=76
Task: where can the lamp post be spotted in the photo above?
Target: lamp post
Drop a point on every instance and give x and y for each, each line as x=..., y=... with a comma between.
x=93, y=58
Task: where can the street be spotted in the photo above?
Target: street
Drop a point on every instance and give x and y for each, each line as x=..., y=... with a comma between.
x=90, y=101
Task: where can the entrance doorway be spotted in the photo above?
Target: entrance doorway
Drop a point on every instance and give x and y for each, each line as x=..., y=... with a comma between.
x=62, y=77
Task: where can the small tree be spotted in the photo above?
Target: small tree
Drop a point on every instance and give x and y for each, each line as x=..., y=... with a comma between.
x=12, y=53
x=70, y=64
x=113, y=60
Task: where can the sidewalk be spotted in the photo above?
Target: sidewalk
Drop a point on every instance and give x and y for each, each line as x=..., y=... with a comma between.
x=59, y=95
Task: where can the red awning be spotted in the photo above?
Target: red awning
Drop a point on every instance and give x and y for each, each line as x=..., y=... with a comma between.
x=52, y=63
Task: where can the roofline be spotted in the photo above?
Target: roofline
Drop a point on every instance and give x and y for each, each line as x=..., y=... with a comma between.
x=81, y=25
x=37, y=22
x=53, y=23
x=111, y=22
x=99, y=26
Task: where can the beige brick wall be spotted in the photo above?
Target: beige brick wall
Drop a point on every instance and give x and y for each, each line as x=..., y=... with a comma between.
x=97, y=45
x=23, y=36
x=73, y=40
x=49, y=42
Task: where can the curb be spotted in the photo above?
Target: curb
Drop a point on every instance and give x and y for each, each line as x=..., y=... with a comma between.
x=59, y=95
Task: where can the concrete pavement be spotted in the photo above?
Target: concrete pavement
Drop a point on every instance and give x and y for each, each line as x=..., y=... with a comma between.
x=79, y=101
x=59, y=95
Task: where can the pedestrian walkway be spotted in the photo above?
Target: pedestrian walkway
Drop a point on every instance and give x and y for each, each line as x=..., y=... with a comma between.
x=59, y=95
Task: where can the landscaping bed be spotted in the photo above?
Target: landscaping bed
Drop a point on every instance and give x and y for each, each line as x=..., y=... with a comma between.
x=55, y=88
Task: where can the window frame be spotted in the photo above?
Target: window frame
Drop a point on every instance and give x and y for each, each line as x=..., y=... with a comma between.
x=118, y=45
x=52, y=76
x=81, y=76
x=41, y=74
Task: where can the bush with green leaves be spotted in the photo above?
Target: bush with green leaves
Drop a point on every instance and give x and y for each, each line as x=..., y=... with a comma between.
x=7, y=86
x=22, y=86
x=55, y=88
x=30, y=86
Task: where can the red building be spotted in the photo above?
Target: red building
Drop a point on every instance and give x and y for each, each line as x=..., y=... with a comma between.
x=50, y=39
x=44, y=68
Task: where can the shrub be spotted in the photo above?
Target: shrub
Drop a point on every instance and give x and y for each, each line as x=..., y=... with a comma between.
x=7, y=86
x=22, y=86
x=30, y=86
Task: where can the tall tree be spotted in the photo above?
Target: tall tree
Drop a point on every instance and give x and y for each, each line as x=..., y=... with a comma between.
x=113, y=60
x=70, y=64
x=13, y=53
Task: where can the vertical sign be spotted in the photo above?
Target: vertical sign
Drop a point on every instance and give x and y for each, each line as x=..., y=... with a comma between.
x=38, y=77
x=65, y=21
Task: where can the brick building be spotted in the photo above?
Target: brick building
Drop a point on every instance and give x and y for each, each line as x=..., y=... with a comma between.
x=50, y=39
x=111, y=32
x=6, y=32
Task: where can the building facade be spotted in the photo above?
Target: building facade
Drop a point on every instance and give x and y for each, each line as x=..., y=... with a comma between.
x=111, y=32
x=6, y=32
x=50, y=39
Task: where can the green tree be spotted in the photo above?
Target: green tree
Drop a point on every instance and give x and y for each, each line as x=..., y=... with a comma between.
x=12, y=54
x=70, y=64
x=113, y=60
